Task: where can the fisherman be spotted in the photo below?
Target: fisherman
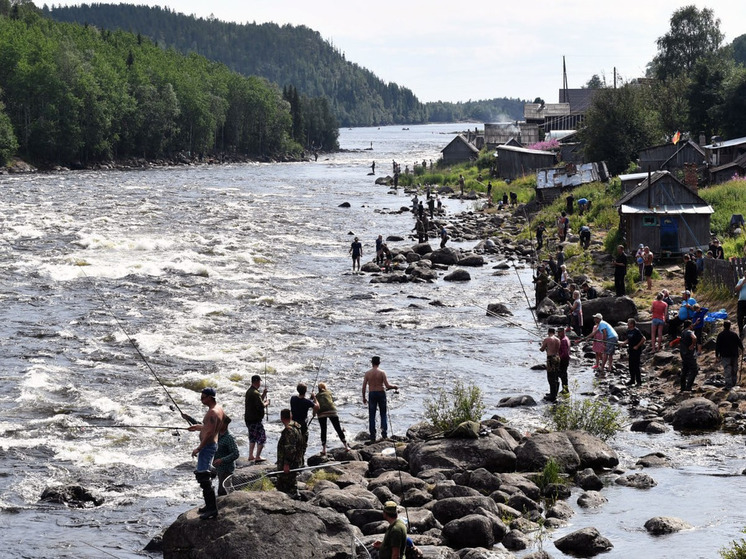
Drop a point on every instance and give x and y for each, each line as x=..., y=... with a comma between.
x=377, y=383
x=620, y=271
x=394, y=541
x=373, y=167
x=564, y=362
x=379, y=250
x=489, y=193
x=226, y=455
x=431, y=206
x=209, y=431
x=727, y=346
x=540, y=235
x=551, y=345
x=443, y=236
x=635, y=340
x=255, y=403
x=541, y=282
x=290, y=450
x=356, y=250
x=585, y=237
x=461, y=183
x=688, y=351
x=299, y=406
x=439, y=203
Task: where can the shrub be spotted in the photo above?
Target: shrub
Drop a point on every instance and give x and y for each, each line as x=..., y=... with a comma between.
x=549, y=475
x=462, y=403
x=736, y=549
x=597, y=417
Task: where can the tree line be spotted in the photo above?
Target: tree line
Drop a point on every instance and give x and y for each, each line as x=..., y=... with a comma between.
x=290, y=56
x=695, y=85
x=74, y=94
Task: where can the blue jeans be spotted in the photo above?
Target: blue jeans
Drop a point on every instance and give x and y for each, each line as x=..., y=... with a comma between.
x=205, y=456
x=377, y=400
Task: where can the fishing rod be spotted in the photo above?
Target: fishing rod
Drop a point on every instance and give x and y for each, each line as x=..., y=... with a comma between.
x=266, y=389
x=316, y=380
x=396, y=457
x=520, y=281
x=507, y=320
x=188, y=418
x=167, y=427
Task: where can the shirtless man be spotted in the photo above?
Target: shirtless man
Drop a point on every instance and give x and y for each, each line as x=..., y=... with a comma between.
x=209, y=430
x=377, y=383
x=551, y=345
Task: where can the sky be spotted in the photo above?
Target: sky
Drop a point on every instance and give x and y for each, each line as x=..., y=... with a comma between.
x=448, y=51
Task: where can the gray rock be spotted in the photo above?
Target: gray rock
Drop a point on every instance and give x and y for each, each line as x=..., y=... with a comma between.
x=370, y=267
x=696, y=413
x=537, y=450
x=660, y=525
x=450, y=489
x=515, y=540
x=397, y=482
x=560, y=510
x=519, y=501
x=615, y=310
x=490, y=452
x=380, y=462
x=447, y=256
x=422, y=248
x=474, y=530
x=446, y=510
x=459, y=274
x=655, y=459
x=592, y=451
x=638, y=481
x=499, y=309
x=483, y=481
x=586, y=542
x=588, y=480
x=247, y=518
x=416, y=497
x=481, y=553
x=591, y=500
x=471, y=260
x=546, y=308
x=516, y=401
x=352, y=497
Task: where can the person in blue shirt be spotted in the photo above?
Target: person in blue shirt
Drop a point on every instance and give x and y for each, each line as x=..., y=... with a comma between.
x=610, y=339
x=686, y=312
x=698, y=323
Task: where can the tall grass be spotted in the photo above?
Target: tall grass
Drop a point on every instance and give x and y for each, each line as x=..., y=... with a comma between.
x=727, y=199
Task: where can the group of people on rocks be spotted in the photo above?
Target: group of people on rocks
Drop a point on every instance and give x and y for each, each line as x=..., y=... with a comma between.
x=217, y=447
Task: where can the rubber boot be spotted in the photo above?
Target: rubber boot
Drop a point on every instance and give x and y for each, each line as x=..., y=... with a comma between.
x=211, y=505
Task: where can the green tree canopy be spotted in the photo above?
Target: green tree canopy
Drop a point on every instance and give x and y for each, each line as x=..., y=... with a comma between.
x=693, y=34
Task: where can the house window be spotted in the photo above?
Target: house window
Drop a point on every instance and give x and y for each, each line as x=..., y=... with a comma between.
x=649, y=221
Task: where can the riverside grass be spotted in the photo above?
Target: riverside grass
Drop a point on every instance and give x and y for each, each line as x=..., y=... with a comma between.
x=464, y=402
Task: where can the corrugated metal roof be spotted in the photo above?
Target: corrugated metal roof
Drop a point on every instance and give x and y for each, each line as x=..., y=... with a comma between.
x=727, y=143
x=636, y=176
x=524, y=150
x=670, y=209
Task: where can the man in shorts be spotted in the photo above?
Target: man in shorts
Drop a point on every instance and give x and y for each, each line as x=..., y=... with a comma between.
x=256, y=403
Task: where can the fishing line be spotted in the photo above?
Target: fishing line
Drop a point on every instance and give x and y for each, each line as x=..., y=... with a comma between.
x=520, y=281
x=396, y=456
x=230, y=487
x=506, y=320
x=188, y=419
x=101, y=550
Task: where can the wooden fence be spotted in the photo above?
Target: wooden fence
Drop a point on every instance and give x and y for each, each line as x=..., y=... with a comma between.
x=724, y=272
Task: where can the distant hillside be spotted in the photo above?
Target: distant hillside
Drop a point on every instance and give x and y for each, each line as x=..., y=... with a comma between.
x=287, y=55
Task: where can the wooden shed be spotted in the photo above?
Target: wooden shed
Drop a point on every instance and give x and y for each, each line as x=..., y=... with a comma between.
x=664, y=214
x=459, y=150
x=672, y=157
x=724, y=173
x=514, y=162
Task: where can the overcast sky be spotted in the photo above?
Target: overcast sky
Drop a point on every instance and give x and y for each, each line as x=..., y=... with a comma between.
x=454, y=51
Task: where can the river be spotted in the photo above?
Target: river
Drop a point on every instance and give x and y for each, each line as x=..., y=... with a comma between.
x=221, y=272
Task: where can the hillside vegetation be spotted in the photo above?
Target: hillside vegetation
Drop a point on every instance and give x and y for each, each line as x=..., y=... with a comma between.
x=75, y=95
x=288, y=56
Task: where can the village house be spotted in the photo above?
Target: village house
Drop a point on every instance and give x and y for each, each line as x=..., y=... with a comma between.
x=663, y=213
x=726, y=158
x=514, y=162
x=553, y=182
x=672, y=157
x=501, y=133
x=459, y=150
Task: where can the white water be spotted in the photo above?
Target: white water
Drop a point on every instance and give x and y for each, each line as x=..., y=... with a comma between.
x=212, y=269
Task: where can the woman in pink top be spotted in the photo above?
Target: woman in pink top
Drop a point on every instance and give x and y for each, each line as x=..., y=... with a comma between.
x=659, y=310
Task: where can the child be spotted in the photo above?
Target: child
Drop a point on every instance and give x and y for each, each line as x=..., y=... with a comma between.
x=698, y=323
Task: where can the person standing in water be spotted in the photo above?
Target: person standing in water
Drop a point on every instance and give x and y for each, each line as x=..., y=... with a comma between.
x=376, y=382
x=356, y=250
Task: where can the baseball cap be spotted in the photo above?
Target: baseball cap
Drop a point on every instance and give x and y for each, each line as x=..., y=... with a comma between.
x=209, y=392
x=599, y=316
x=390, y=507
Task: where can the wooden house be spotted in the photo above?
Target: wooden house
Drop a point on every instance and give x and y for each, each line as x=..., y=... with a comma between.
x=720, y=152
x=459, y=150
x=664, y=214
x=522, y=133
x=514, y=162
x=672, y=157
x=724, y=173
x=632, y=180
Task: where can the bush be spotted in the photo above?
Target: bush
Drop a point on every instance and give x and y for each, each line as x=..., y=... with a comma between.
x=736, y=550
x=549, y=475
x=597, y=417
x=463, y=403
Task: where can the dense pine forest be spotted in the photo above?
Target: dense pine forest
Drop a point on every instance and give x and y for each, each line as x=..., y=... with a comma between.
x=75, y=94
x=289, y=56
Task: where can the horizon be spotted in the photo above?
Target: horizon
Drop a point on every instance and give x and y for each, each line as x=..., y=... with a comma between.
x=493, y=52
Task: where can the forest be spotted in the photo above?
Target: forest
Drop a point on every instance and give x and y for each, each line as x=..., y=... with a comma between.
x=75, y=94
x=289, y=56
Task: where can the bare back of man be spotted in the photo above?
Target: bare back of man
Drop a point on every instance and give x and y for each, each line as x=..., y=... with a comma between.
x=211, y=425
x=551, y=345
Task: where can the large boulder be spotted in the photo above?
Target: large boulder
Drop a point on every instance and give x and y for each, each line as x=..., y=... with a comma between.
x=499, y=309
x=422, y=248
x=474, y=530
x=490, y=452
x=447, y=256
x=615, y=310
x=696, y=413
x=397, y=482
x=459, y=274
x=537, y=450
x=592, y=451
x=341, y=500
x=471, y=260
x=586, y=542
x=446, y=510
x=660, y=525
x=250, y=520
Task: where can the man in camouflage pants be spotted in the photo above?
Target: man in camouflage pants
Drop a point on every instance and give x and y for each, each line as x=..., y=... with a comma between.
x=289, y=454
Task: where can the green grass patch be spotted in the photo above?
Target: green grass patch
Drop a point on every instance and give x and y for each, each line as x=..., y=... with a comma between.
x=736, y=549
x=726, y=199
x=597, y=417
x=321, y=475
x=464, y=402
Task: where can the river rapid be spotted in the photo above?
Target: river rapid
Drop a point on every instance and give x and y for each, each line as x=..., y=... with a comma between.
x=221, y=272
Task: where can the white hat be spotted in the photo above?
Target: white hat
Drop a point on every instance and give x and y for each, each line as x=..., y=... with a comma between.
x=599, y=316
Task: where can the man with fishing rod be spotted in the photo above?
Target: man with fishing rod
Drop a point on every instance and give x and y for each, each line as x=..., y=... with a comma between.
x=290, y=449
x=299, y=406
x=255, y=404
x=209, y=431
